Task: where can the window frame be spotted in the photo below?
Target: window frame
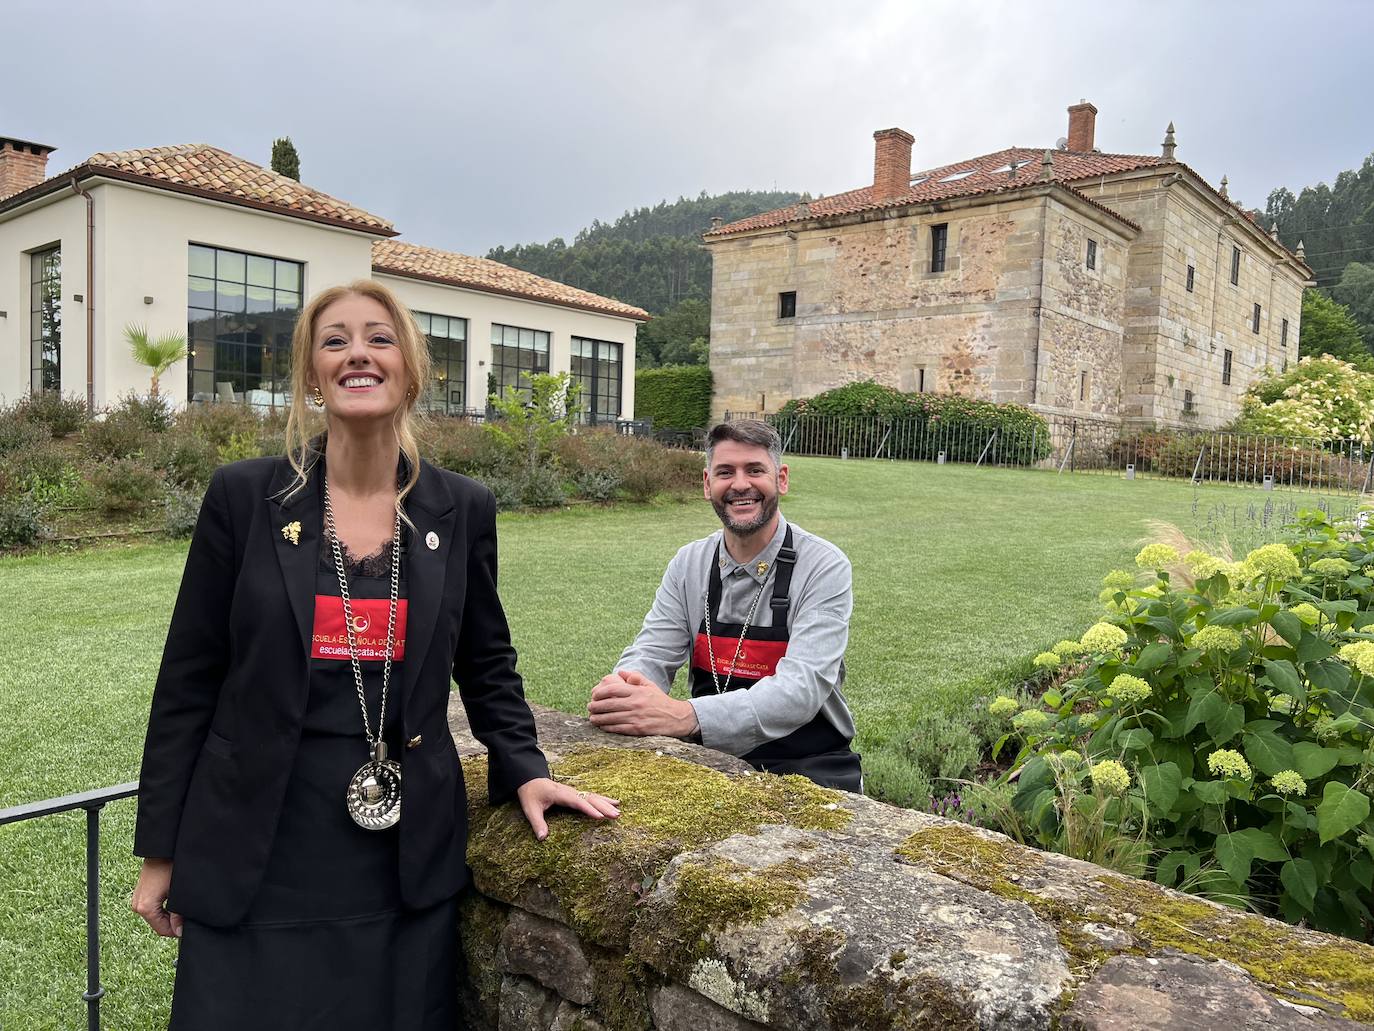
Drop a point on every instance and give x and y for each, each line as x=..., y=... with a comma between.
x=939, y=247
x=45, y=330
x=1226, y=361
x=1255, y=318
x=1283, y=334
x=592, y=409
x=498, y=368
x=1189, y=403
x=787, y=305
x=1090, y=260
x=445, y=406
x=1191, y=277
x=1235, y=264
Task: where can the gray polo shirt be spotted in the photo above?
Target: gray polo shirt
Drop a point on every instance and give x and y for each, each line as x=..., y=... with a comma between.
x=808, y=679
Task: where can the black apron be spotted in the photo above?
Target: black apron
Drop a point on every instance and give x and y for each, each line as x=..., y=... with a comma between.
x=816, y=749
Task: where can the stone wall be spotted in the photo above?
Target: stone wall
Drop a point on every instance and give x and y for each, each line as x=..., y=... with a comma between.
x=724, y=900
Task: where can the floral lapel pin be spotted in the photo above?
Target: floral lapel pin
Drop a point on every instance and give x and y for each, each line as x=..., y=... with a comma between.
x=292, y=532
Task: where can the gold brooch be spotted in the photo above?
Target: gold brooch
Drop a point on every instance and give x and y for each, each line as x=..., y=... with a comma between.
x=763, y=568
x=292, y=532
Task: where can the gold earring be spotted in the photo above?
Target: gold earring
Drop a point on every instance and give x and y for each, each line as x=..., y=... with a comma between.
x=317, y=398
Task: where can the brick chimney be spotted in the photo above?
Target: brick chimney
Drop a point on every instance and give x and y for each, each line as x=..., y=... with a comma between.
x=891, y=163
x=1082, y=122
x=22, y=164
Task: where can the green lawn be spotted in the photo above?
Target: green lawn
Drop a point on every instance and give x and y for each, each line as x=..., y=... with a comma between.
x=959, y=575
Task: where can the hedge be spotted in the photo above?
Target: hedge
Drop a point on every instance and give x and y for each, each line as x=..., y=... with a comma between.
x=675, y=397
x=915, y=425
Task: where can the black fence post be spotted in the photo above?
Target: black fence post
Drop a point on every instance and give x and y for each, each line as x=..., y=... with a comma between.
x=94, y=989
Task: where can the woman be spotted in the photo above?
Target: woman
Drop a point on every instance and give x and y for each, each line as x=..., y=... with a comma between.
x=328, y=598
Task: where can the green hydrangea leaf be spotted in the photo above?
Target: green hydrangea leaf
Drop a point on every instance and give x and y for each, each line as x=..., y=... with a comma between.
x=1329, y=675
x=1206, y=706
x=1212, y=792
x=1299, y=879
x=1268, y=753
x=1313, y=761
x=1137, y=737
x=1342, y=809
x=1235, y=854
x=1234, y=617
x=1153, y=656
x=1053, y=699
x=1227, y=723
x=1287, y=626
x=1312, y=648
x=1161, y=784
x=1166, y=873
x=1284, y=678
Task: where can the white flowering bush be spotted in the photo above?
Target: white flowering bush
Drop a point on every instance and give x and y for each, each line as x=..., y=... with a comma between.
x=1320, y=397
x=1224, y=726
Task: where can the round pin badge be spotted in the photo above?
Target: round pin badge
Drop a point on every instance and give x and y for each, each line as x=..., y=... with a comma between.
x=432, y=541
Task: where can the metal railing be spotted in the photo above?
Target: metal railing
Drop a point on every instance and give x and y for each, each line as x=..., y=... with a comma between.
x=1088, y=445
x=92, y=802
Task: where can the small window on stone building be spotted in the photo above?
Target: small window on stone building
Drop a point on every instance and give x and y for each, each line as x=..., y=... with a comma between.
x=921, y=380
x=1283, y=334
x=1092, y=254
x=1191, y=273
x=1235, y=266
x=787, y=304
x=1188, y=407
x=1255, y=319
x=939, y=240
x=1226, y=367
x=1083, y=385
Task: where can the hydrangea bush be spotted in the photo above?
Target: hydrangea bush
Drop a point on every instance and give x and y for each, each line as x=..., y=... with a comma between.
x=1320, y=397
x=1223, y=720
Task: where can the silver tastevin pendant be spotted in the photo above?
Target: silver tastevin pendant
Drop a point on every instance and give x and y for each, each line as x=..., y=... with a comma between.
x=374, y=793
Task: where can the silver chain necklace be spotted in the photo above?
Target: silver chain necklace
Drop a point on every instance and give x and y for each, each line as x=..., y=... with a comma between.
x=739, y=645
x=374, y=793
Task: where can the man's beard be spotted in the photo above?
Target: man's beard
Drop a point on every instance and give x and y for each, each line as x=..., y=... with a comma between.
x=767, y=506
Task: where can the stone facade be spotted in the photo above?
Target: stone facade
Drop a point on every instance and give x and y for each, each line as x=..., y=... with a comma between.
x=810, y=910
x=1061, y=290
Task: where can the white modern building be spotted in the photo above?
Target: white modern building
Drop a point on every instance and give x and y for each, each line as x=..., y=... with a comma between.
x=193, y=239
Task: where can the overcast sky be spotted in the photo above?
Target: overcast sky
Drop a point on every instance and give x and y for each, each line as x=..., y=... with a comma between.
x=476, y=124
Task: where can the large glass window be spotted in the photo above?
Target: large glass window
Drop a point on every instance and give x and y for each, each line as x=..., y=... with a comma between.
x=596, y=365
x=45, y=319
x=241, y=309
x=515, y=351
x=448, y=350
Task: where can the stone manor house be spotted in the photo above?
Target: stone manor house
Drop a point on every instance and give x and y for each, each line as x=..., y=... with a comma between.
x=1120, y=286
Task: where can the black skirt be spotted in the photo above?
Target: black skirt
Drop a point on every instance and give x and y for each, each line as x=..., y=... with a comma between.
x=327, y=943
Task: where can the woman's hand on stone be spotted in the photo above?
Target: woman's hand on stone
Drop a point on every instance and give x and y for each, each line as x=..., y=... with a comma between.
x=539, y=795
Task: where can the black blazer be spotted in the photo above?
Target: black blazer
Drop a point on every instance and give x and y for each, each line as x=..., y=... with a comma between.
x=231, y=692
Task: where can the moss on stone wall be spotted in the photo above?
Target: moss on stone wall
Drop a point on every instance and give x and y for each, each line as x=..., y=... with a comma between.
x=1336, y=973
x=597, y=872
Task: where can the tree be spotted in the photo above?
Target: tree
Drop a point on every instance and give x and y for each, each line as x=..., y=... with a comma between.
x=285, y=160
x=1328, y=328
x=159, y=354
x=1356, y=291
x=677, y=337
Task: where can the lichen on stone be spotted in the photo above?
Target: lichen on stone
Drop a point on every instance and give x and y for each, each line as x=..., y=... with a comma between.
x=597, y=872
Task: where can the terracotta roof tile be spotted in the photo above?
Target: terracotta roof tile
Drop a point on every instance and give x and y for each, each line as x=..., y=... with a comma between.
x=981, y=175
x=208, y=171
x=396, y=257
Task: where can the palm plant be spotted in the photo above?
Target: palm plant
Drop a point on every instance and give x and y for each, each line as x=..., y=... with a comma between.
x=158, y=354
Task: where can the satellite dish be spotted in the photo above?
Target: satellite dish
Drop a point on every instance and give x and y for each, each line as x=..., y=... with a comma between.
x=1062, y=143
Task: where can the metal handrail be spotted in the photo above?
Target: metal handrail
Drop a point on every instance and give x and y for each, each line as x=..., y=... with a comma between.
x=92, y=802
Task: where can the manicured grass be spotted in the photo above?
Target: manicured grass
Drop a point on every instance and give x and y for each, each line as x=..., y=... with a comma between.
x=959, y=575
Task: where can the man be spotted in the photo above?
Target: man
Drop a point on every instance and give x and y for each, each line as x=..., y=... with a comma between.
x=761, y=610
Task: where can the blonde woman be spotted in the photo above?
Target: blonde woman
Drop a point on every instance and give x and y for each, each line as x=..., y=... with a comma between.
x=329, y=598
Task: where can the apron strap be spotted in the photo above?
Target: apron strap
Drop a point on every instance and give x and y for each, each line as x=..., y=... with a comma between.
x=786, y=563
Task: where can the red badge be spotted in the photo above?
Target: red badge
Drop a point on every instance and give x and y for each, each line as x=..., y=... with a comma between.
x=757, y=659
x=330, y=639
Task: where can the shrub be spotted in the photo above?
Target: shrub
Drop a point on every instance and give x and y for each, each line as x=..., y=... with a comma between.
x=186, y=461
x=506, y=488
x=60, y=415
x=119, y=435
x=124, y=485
x=219, y=421
x=239, y=446
x=675, y=397
x=542, y=487
x=46, y=472
x=596, y=485
x=864, y=417
x=1319, y=397
x=153, y=413
x=180, y=509
x=651, y=469
x=20, y=521
x=17, y=433
x=1223, y=727
x=527, y=427
x=594, y=459
x=461, y=446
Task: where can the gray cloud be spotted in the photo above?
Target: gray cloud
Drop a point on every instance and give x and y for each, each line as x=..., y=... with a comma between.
x=476, y=124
